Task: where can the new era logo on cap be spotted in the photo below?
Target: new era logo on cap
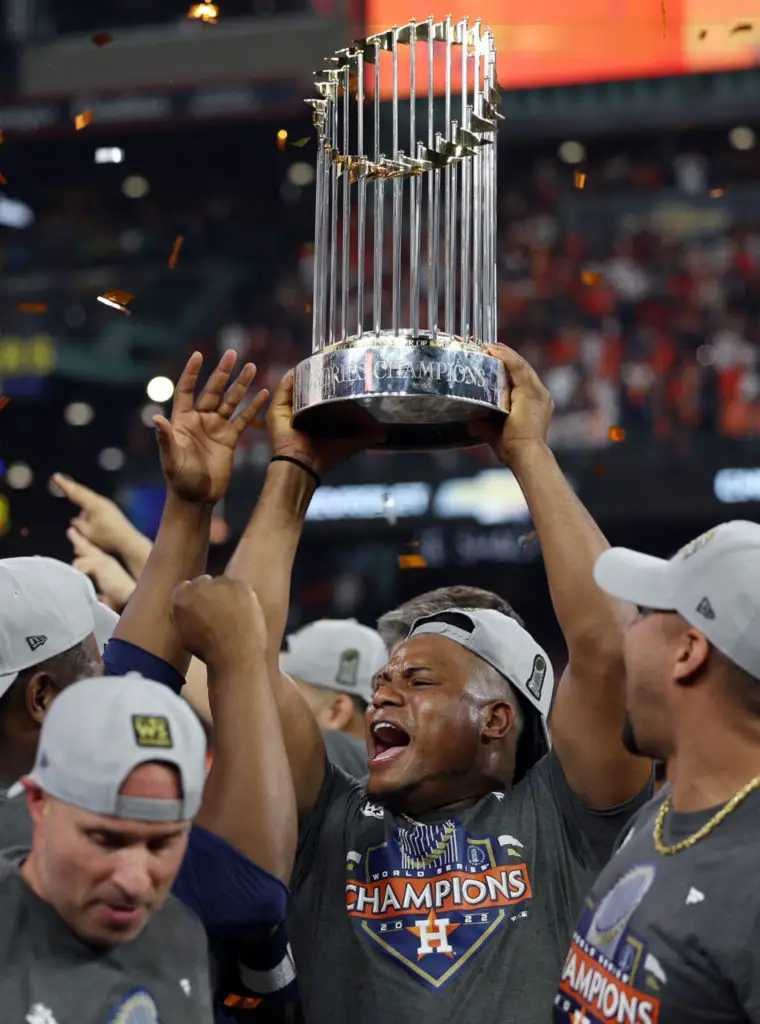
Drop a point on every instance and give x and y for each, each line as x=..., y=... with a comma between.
x=705, y=608
x=152, y=731
x=36, y=641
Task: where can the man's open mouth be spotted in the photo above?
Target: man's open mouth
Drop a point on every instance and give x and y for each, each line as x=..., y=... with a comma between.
x=388, y=741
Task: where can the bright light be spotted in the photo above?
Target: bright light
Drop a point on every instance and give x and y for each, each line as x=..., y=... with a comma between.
x=160, y=389
x=19, y=476
x=111, y=459
x=135, y=187
x=109, y=155
x=571, y=152
x=300, y=174
x=742, y=137
x=282, y=135
x=148, y=412
x=78, y=414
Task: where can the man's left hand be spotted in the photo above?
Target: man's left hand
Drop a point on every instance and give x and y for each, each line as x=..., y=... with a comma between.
x=197, y=446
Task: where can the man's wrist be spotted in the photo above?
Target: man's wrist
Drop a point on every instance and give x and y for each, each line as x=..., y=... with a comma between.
x=294, y=487
x=523, y=456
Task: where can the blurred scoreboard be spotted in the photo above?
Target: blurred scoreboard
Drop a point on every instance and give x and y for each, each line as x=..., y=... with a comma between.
x=556, y=42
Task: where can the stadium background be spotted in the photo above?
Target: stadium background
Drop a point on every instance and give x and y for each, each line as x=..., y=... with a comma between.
x=637, y=296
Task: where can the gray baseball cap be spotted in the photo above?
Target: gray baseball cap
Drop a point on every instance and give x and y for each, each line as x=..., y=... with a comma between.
x=511, y=650
x=45, y=609
x=99, y=730
x=713, y=583
x=105, y=618
x=337, y=654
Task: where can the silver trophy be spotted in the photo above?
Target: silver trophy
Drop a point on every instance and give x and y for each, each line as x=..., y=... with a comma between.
x=410, y=358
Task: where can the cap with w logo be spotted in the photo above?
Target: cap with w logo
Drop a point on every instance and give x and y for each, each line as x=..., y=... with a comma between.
x=99, y=730
x=713, y=583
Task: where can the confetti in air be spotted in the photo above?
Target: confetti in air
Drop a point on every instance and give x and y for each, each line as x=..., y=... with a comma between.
x=590, y=277
x=31, y=307
x=744, y=27
x=411, y=562
x=204, y=12
x=102, y=38
x=2, y=138
x=617, y=434
x=703, y=34
x=82, y=120
x=4, y=400
x=664, y=19
x=117, y=299
x=580, y=179
x=3, y=179
x=24, y=531
x=716, y=193
x=175, y=252
x=300, y=143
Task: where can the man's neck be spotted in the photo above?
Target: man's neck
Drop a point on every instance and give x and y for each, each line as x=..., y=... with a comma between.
x=708, y=770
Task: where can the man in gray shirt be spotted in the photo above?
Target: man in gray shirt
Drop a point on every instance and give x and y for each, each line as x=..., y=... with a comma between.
x=447, y=889
x=88, y=930
x=670, y=932
x=334, y=661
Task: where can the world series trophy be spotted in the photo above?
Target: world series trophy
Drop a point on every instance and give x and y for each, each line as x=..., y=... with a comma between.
x=410, y=356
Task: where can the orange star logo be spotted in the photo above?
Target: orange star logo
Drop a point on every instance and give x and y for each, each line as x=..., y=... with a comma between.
x=433, y=933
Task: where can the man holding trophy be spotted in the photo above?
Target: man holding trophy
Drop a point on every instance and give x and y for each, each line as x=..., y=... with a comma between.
x=447, y=887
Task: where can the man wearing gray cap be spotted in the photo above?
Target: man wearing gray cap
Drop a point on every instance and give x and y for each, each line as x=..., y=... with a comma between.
x=334, y=661
x=88, y=930
x=670, y=932
x=448, y=887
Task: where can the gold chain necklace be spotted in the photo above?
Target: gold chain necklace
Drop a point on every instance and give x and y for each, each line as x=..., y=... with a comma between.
x=706, y=829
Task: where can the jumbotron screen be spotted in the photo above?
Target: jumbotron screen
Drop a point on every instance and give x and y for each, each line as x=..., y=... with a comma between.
x=566, y=42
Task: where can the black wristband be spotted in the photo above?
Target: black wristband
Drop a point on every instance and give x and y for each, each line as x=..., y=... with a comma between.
x=301, y=465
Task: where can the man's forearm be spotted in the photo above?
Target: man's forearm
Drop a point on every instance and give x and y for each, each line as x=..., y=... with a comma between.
x=178, y=554
x=571, y=542
x=249, y=800
x=266, y=552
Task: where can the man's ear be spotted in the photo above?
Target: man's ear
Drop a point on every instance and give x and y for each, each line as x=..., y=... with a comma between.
x=501, y=718
x=692, y=656
x=41, y=691
x=340, y=711
x=35, y=801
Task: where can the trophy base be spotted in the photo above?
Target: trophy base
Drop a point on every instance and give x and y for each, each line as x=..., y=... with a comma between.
x=424, y=393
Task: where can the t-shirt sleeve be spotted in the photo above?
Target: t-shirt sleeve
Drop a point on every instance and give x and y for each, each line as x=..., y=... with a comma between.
x=229, y=893
x=592, y=833
x=121, y=657
x=325, y=827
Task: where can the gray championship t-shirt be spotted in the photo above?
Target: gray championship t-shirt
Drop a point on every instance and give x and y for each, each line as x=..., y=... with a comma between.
x=453, y=917
x=348, y=752
x=670, y=939
x=49, y=976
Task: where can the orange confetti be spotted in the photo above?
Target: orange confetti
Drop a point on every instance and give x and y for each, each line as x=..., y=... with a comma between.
x=118, y=299
x=82, y=120
x=31, y=307
x=617, y=434
x=204, y=12
x=4, y=400
x=175, y=252
x=24, y=531
x=716, y=193
x=300, y=143
x=590, y=277
x=579, y=179
x=102, y=38
x=411, y=562
x=3, y=179
x=664, y=19
x=2, y=138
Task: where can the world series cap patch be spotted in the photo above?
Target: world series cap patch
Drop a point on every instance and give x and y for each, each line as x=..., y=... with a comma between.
x=348, y=669
x=152, y=731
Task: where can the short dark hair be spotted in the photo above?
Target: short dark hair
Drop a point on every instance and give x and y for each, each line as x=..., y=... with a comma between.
x=394, y=626
x=67, y=667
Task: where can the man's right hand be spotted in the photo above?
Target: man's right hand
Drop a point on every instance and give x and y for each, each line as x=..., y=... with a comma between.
x=321, y=454
x=100, y=520
x=217, y=618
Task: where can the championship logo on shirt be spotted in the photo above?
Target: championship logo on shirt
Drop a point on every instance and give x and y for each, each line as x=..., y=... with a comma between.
x=138, y=1007
x=609, y=975
x=433, y=896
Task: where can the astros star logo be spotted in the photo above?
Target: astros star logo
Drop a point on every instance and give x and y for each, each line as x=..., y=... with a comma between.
x=433, y=933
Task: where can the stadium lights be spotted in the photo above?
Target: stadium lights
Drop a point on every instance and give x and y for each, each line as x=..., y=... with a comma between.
x=109, y=155
x=572, y=152
x=160, y=389
x=78, y=414
x=111, y=459
x=742, y=137
x=19, y=476
x=135, y=187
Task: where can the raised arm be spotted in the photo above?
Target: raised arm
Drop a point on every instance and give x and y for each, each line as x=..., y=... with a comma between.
x=197, y=449
x=589, y=706
x=264, y=559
